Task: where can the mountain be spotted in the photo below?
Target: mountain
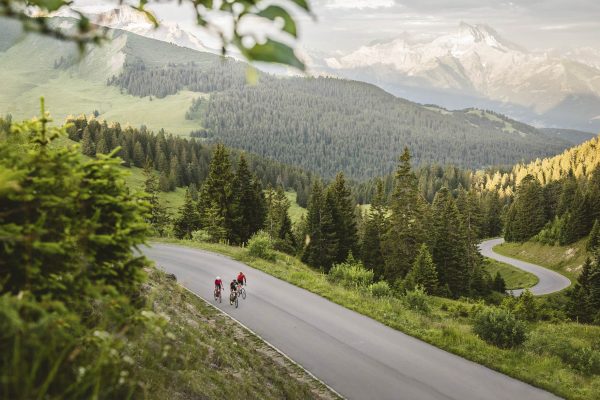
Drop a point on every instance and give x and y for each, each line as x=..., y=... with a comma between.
x=321, y=124
x=476, y=67
x=570, y=135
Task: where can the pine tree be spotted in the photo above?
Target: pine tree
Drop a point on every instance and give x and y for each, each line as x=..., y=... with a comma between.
x=188, y=220
x=576, y=219
x=158, y=217
x=423, y=272
x=406, y=225
x=88, y=147
x=217, y=197
x=593, y=244
x=578, y=306
x=374, y=233
x=102, y=147
x=499, y=285
x=321, y=247
x=139, y=158
x=278, y=223
x=450, y=250
x=526, y=215
x=344, y=218
x=249, y=203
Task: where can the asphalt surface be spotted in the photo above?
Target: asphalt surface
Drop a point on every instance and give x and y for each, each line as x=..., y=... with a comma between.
x=549, y=281
x=358, y=357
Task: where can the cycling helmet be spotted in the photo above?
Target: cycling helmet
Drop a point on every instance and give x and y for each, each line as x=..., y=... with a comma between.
x=218, y=278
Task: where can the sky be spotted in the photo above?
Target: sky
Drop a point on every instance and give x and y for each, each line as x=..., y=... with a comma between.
x=344, y=25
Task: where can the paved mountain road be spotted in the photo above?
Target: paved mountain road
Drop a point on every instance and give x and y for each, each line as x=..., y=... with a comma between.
x=357, y=356
x=549, y=281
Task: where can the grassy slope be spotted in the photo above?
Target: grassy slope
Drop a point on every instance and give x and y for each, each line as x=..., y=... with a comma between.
x=295, y=211
x=172, y=200
x=515, y=278
x=209, y=356
x=566, y=260
x=543, y=360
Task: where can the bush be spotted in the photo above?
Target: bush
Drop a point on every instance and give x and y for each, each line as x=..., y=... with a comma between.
x=417, y=299
x=260, y=245
x=201, y=236
x=351, y=274
x=380, y=289
x=500, y=327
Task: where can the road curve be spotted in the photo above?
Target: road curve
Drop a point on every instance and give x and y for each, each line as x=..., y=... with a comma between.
x=549, y=281
x=358, y=357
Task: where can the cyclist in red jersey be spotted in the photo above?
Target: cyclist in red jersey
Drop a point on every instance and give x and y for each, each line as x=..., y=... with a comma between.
x=241, y=278
x=218, y=283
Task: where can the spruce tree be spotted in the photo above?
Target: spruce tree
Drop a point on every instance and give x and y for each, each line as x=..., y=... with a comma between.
x=344, y=218
x=188, y=220
x=593, y=243
x=158, y=217
x=249, y=203
x=576, y=219
x=278, y=223
x=88, y=147
x=499, y=285
x=102, y=147
x=406, y=225
x=526, y=215
x=374, y=233
x=321, y=247
x=423, y=272
x=139, y=158
x=578, y=305
x=450, y=250
x=217, y=197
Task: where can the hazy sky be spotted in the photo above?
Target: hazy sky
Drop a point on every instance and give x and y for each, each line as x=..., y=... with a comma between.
x=344, y=25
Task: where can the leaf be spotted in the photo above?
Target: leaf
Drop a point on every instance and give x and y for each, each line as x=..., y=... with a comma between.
x=50, y=5
x=275, y=12
x=273, y=51
x=302, y=4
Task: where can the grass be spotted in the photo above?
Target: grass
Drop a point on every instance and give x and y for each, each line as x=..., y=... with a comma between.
x=514, y=278
x=566, y=260
x=545, y=360
x=210, y=356
x=171, y=200
x=296, y=212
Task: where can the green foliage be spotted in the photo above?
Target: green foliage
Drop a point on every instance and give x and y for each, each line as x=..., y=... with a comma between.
x=351, y=273
x=526, y=308
x=500, y=327
x=321, y=243
x=499, y=285
x=584, y=297
x=62, y=215
x=526, y=215
x=158, y=216
x=417, y=299
x=593, y=244
x=83, y=32
x=249, y=203
x=344, y=218
x=201, y=235
x=278, y=223
x=380, y=289
x=423, y=273
x=375, y=230
x=188, y=220
x=261, y=246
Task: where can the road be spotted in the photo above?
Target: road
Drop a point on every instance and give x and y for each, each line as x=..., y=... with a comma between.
x=549, y=281
x=357, y=356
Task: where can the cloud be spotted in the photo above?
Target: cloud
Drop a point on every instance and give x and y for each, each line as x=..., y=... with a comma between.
x=359, y=4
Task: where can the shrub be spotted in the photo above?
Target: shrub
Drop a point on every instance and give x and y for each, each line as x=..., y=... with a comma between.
x=351, y=273
x=417, y=299
x=260, y=245
x=380, y=289
x=201, y=236
x=500, y=327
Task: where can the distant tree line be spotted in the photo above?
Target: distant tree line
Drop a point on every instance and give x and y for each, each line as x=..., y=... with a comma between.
x=178, y=161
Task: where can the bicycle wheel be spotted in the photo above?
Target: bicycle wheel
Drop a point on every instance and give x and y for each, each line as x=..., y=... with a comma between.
x=220, y=297
x=243, y=293
x=236, y=302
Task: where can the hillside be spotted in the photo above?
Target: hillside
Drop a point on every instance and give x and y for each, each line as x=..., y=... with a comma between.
x=323, y=125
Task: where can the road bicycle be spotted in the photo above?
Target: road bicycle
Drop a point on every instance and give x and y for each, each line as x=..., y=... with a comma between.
x=218, y=294
x=242, y=291
x=233, y=299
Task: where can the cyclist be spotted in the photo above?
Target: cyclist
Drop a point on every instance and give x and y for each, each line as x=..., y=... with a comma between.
x=241, y=279
x=233, y=286
x=218, y=286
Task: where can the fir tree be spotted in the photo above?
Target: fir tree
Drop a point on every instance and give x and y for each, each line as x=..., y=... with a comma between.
x=216, y=197
x=102, y=147
x=575, y=225
x=88, y=146
x=406, y=224
x=374, y=233
x=344, y=218
x=526, y=216
x=450, y=250
x=278, y=223
x=139, y=158
x=593, y=243
x=188, y=220
x=498, y=284
x=423, y=272
x=321, y=247
x=249, y=203
x=158, y=217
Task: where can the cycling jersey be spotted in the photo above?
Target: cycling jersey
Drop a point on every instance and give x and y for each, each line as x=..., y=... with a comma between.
x=241, y=279
x=219, y=283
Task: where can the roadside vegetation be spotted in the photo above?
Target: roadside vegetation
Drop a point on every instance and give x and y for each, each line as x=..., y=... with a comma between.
x=514, y=278
x=543, y=349
x=82, y=315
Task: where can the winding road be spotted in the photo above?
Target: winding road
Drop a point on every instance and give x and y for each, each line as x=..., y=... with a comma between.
x=549, y=281
x=357, y=356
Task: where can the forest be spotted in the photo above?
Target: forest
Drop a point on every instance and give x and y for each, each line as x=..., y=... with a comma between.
x=325, y=125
